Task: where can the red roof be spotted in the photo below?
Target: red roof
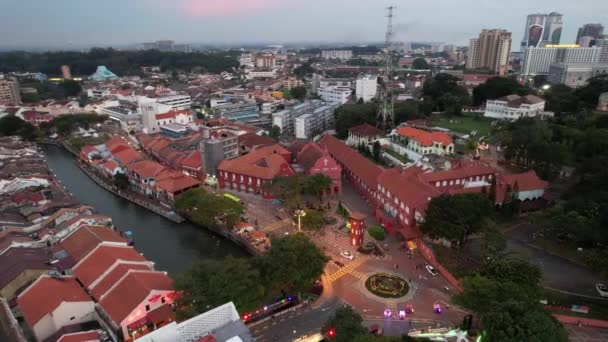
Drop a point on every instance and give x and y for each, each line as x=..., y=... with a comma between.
x=83, y=336
x=172, y=114
x=88, y=149
x=86, y=238
x=366, y=130
x=408, y=188
x=46, y=294
x=177, y=182
x=464, y=171
x=92, y=266
x=252, y=140
x=127, y=155
x=352, y=160
x=146, y=168
x=526, y=181
x=193, y=160
x=110, y=165
x=27, y=195
x=479, y=78
x=265, y=163
x=425, y=138
x=115, y=143
x=114, y=275
x=130, y=292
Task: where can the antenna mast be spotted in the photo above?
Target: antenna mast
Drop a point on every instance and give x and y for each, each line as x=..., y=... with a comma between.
x=385, y=117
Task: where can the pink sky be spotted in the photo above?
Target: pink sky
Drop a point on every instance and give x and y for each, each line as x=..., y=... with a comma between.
x=202, y=8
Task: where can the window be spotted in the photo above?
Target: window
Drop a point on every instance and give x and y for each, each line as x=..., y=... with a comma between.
x=72, y=318
x=147, y=307
x=162, y=300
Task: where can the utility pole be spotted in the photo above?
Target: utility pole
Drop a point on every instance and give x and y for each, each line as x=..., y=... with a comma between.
x=386, y=113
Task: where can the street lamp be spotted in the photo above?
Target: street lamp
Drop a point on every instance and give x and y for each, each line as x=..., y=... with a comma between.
x=300, y=213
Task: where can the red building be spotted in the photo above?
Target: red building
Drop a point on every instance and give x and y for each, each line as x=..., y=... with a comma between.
x=356, y=223
x=316, y=160
x=36, y=118
x=401, y=196
x=249, y=172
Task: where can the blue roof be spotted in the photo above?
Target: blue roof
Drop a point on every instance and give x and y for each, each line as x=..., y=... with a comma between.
x=102, y=73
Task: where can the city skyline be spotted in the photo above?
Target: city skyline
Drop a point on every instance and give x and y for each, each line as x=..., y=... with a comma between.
x=68, y=24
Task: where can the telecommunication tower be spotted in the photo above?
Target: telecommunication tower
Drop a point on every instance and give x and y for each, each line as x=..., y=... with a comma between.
x=386, y=114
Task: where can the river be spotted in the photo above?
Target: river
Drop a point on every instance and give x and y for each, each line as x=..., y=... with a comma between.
x=173, y=247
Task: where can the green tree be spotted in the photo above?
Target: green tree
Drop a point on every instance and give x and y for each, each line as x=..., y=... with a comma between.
x=515, y=270
x=71, y=88
x=275, y=132
x=377, y=232
x=317, y=184
x=457, y=217
x=444, y=92
x=589, y=94
x=347, y=323
x=304, y=70
x=420, y=64
x=560, y=99
x=492, y=241
x=313, y=220
x=497, y=87
x=208, y=209
x=515, y=321
x=298, y=93
x=211, y=283
x=376, y=150
x=284, y=269
x=12, y=125
x=350, y=115
x=121, y=180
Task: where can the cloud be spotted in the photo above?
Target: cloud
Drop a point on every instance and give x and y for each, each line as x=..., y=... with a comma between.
x=210, y=8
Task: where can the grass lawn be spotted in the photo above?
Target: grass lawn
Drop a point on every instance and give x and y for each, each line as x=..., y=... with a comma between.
x=598, y=308
x=449, y=259
x=465, y=124
x=403, y=159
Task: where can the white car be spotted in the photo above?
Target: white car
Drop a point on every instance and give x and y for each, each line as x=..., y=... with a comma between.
x=602, y=290
x=432, y=270
x=347, y=255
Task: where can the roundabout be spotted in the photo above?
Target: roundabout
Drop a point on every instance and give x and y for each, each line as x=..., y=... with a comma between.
x=387, y=285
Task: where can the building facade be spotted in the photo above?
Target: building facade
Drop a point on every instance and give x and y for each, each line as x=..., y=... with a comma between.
x=538, y=60
x=514, y=107
x=238, y=111
x=602, y=102
x=542, y=29
x=9, y=93
x=490, y=51
x=337, y=54
x=575, y=75
x=315, y=122
x=177, y=102
x=339, y=95
x=366, y=88
x=265, y=61
x=423, y=142
x=591, y=32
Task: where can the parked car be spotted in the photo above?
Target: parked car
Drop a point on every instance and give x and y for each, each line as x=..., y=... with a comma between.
x=602, y=289
x=432, y=270
x=347, y=255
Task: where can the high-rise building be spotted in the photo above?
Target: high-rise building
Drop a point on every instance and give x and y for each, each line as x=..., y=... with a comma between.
x=366, y=87
x=164, y=45
x=490, y=51
x=542, y=29
x=265, y=61
x=538, y=60
x=337, y=54
x=602, y=43
x=9, y=92
x=65, y=72
x=590, y=32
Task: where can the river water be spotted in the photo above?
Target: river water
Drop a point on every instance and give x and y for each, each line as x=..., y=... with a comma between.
x=172, y=246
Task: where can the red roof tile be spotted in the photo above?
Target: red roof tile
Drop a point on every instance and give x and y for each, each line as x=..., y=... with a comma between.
x=265, y=163
x=408, y=188
x=366, y=130
x=177, y=182
x=526, y=181
x=425, y=138
x=92, y=266
x=86, y=238
x=251, y=140
x=459, y=172
x=114, y=275
x=131, y=290
x=146, y=168
x=127, y=155
x=46, y=294
x=172, y=114
x=352, y=160
x=192, y=161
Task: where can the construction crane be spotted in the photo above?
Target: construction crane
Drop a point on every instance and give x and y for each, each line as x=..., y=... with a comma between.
x=386, y=113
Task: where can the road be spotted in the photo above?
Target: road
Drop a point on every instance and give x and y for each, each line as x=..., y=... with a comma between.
x=294, y=324
x=558, y=273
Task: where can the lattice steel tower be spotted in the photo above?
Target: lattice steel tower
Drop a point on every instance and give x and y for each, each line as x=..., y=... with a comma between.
x=386, y=113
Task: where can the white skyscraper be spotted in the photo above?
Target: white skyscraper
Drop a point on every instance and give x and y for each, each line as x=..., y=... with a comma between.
x=366, y=88
x=542, y=29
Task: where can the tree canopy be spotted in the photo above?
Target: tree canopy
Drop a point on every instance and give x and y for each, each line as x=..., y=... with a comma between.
x=121, y=62
x=420, y=64
x=505, y=296
x=456, y=217
x=211, y=283
x=13, y=125
x=208, y=209
x=445, y=94
x=497, y=87
x=377, y=232
x=347, y=323
x=283, y=267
